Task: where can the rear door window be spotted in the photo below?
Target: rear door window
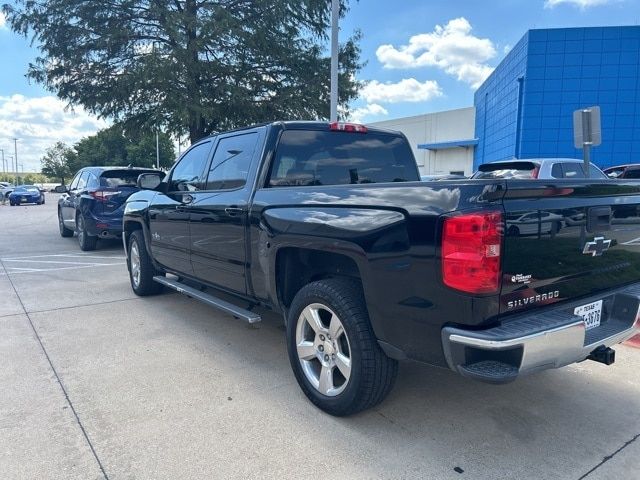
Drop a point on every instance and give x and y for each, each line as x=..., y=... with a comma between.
x=82, y=182
x=230, y=165
x=632, y=173
x=314, y=157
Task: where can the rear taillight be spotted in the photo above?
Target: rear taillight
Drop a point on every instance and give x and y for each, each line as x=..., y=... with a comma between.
x=103, y=195
x=347, y=127
x=471, y=246
x=535, y=172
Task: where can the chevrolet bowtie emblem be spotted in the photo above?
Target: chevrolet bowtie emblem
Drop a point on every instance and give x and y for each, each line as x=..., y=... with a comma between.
x=597, y=247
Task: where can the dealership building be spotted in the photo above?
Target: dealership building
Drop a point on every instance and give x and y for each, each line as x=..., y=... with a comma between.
x=525, y=107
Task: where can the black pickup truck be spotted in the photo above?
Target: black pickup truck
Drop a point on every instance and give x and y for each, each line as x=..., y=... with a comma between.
x=329, y=225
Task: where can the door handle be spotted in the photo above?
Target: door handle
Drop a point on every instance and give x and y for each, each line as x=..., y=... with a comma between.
x=233, y=211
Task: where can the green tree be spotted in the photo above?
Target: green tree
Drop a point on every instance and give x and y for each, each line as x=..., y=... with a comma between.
x=191, y=66
x=115, y=146
x=55, y=162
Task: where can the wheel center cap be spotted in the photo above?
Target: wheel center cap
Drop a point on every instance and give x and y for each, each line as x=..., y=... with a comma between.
x=328, y=348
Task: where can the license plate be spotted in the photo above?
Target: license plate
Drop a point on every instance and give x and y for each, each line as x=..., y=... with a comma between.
x=24, y=199
x=590, y=313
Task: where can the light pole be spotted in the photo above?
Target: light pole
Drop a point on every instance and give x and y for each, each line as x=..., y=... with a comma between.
x=157, y=151
x=15, y=147
x=4, y=170
x=9, y=159
x=335, y=12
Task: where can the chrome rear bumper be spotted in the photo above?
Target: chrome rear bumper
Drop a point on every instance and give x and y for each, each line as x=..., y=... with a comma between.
x=533, y=342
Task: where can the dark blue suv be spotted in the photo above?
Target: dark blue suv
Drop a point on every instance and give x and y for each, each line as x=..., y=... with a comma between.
x=93, y=203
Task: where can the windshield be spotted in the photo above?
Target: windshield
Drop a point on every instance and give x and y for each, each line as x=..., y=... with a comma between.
x=27, y=188
x=121, y=178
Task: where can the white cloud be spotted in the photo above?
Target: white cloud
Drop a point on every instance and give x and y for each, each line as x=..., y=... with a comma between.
x=372, y=110
x=578, y=3
x=38, y=123
x=406, y=90
x=3, y=21
x=451, y=47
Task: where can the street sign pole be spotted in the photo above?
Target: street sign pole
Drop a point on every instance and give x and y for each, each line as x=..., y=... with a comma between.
x=586, y=141
x=587, y=133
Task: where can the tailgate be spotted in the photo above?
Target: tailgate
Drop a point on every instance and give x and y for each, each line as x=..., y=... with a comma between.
x=567, y=240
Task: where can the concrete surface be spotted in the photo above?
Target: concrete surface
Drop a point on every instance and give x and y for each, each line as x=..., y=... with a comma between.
x=97, y=383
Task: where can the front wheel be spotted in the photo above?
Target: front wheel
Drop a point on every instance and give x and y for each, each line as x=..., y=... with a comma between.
x=141, y=269
x=333, y=351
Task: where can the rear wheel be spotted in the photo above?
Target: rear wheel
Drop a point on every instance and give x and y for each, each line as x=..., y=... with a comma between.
x=64, y=231
x=87, y=242
x=333, y=351
x=141, y=269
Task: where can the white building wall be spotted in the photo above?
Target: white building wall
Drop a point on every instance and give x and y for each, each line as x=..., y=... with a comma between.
x=438, y=127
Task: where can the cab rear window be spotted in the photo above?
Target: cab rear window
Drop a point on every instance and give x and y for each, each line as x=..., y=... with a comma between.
x=309, y=157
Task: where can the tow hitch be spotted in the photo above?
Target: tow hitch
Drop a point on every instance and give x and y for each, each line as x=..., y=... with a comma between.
x=606, y=355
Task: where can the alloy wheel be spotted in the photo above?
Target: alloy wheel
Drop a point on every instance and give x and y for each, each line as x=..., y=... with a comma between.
x=134, y=256
x=323, y=349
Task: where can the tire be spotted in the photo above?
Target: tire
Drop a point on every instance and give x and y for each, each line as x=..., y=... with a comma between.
x=513, y=231
x=141, y=269
x=64, y=231
x=370, y=373
x=87, y=242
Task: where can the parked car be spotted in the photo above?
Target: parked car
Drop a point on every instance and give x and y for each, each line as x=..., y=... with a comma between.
x=534, y=223
x=5, y=189
x=330, y=225
x=623, y=171
x=26, y=194
x=93, y=203
x=541, y=168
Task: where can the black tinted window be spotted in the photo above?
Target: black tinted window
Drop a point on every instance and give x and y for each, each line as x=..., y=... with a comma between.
x=556, y=170
x=186, y=175
x=337, y=158
x=230, y=164
x=632, y=174
x=515, y=169
x=121, y=178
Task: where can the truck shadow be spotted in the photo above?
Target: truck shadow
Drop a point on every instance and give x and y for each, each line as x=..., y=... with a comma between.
x=556, y=424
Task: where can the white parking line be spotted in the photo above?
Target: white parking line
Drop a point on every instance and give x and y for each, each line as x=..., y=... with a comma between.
x=48, y=261
x=635, y=241
x=56, y=262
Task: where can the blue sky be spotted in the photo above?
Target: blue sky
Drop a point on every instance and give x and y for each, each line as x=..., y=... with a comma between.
x=422, y=56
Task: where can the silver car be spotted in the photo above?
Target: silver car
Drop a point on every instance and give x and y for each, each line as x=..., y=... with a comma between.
x=541, y=168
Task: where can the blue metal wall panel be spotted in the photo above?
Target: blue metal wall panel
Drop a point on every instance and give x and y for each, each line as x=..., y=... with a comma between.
x=563, y=70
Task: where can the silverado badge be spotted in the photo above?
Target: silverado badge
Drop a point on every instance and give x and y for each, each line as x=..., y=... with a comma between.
x=597, y=247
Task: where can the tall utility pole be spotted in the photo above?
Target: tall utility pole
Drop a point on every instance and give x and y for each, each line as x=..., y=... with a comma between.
x=15, y=158
x=157, y=152
x=335, y=13
x=4, y=170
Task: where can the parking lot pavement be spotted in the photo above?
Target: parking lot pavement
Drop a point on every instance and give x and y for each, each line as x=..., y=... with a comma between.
x=98, y=383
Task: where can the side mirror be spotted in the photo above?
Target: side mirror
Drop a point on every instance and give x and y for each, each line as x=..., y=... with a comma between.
x=61, y=189
x=149, y=181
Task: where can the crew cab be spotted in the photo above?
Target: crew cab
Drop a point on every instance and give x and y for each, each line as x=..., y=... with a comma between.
x=330, y=225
